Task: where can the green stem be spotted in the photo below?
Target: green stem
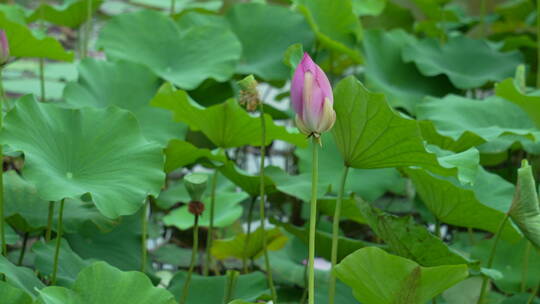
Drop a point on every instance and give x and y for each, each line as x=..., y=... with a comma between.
x=313, y=224
x=2, y=223
x=533, y=294
x=263, y=207
x=87, y=29
x=232, y=277
x=524, y=273
x=49, y=221
x=538, y=43
x=483, y=17
x=173, y=7
x=335, y=236
x=194, y=251
x=248, y=235
x=58, y=241
x=437, y=227
x=144, y=219
x=42, y=60
x=485, y=280
x=210, y=237
x=23, y=249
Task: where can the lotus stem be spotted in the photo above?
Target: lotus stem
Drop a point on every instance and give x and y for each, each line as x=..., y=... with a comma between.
x=23, y=249
x=248, y=235
x=49, y=221
x=58, y=241
x=194, y=251
x=232, y=278
x=2, y=222
x=263, y=207
x=335, y=235
x=313, y=223
x=144, y=221
x=485, y=280
x=210, y=237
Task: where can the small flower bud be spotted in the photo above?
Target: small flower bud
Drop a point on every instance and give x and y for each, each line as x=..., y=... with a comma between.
x=249, y=95
x=196, y=207
x=4, y=48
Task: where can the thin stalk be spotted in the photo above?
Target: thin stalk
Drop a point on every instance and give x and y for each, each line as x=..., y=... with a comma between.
x=437, y=227
x=173, y=7
x=524, y=273
x=232, y=277
x=87, y=29
x=313, y=223
x=483, y=17
x=49, y=221
x=538, y=43
x=42, y=60
x=263, y=207
x=23, y=249
x=533, y=294
x=485, y=280
x=2, y=223
x=144, y=219
x=194, y=251
x=248, y=235
x=335, y=236
x=210, y=237
x=58, y=241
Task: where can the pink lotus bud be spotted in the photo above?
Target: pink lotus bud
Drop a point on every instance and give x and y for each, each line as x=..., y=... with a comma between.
x=4, y=48
x=312, y=98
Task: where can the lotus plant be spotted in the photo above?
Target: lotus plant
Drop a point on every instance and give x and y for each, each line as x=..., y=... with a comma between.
x=312, y=100
x=4, y=56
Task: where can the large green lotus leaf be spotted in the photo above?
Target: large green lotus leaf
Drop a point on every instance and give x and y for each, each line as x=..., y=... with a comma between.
x=370, y=184
x=265, y=32
x=120, y=247
x=401, y=82
x=27, y=212
x=204, y=289
x=102, y=283
x=129, y=86
x=71, y=264
x=20, y=277
x=249, y=183
x=482, y=205
x=454, y=58
x=71, y=13
x=510, y=261
x=153, y=39
x=370, y=134
x=335, y=24
x=13, y=295
x=227, y=210
x=24, y=43
x=323, y=242
x=525, y=210
x=237, y=247
x=492, y=120
x=529, y=103
x=72, y=152
x=181, y=153
x=377, y=277
x=410, y=240
x=227, y=124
